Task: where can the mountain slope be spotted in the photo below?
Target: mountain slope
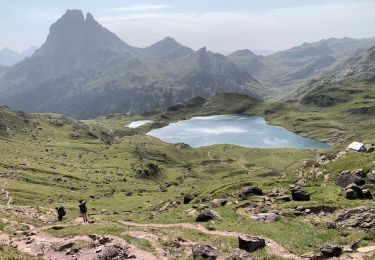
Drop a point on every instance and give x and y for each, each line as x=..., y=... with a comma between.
x=10, y=57
x=288, y=70
x=84, y=70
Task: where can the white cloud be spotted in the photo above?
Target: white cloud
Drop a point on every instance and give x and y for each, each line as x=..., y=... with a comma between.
x=271, y=29
x=140, y=8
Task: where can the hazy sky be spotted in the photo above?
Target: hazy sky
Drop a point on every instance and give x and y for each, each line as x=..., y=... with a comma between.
x=221, y=25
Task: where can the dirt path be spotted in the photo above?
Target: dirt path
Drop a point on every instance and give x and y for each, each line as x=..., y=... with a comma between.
x=273, y=246
x=4, y=190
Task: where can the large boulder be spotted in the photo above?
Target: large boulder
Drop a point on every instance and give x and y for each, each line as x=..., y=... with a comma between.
x=207, y=215
x=250, y=244
x=330, y=250
x=352, y=192
x=346, y=178
x=204, y=251
x=360, y=218
x=300, y=195
x=250, y=190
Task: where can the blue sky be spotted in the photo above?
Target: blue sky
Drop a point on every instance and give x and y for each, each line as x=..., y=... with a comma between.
x=221, y=25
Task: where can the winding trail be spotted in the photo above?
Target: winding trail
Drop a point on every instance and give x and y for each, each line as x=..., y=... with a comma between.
x=4, y=190
x=273, y=246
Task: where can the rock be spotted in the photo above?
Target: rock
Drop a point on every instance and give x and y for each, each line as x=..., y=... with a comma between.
x=113, y=252
x=300, y=195
x=330, y=250
x=285, y=198
x=218, y=202
x=188, y=198
x=204, y=251
x=371, y=177
x=312, y=256
x=346, y=178
x=250, y=244
x=207, y=215
x=352, y=192
x=268, y=217
x=360, y=218
x=239, y=254
x=129, y=193
x=366, y=194
x=250, y=190
x=65, y=246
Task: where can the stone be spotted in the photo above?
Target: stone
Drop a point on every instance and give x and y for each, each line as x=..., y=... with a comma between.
x=267, y=217
x=218, y=202
x=112, y=252
x=204, y=251
x=65, y=246
x=366, y=194
x=371, y=177
x=207, y=215
x=250, y=244
x=359, y=218
x=330, y=250
x=300, y=195
x=346, y=178
x=250, y=190
x=285, y=198
x=239, y=254
x=188, y=198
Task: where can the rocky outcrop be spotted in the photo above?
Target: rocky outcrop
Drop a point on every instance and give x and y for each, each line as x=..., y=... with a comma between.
x=204, y=251
x=360, y=218
x=250, y=244
x=207, y=215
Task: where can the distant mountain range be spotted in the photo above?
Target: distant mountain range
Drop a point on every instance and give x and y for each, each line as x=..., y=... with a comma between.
x=10, y=57
x=84, y=70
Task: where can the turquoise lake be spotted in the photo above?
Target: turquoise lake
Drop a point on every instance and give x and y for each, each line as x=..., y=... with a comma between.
x=247, y=131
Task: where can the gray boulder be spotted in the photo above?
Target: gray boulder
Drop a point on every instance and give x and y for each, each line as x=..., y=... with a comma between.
x=250, y=190
x=250, y=244
x=204, y=251
x=300, y=195
x=330, y=250
x=207, y=215
x=346, y=178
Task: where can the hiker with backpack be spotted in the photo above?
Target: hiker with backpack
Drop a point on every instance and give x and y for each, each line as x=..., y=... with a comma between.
x=60, y=212
x=83, y=211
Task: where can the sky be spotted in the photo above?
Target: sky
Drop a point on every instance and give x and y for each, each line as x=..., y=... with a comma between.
x=220, y=25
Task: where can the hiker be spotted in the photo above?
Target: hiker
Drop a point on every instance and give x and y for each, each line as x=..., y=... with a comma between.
x=83, y=210
x=60, y=212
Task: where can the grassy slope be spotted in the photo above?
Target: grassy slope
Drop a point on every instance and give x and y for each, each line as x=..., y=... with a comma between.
x=54, y=169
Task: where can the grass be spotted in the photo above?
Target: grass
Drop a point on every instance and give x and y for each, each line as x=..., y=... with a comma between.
x=54, y=168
